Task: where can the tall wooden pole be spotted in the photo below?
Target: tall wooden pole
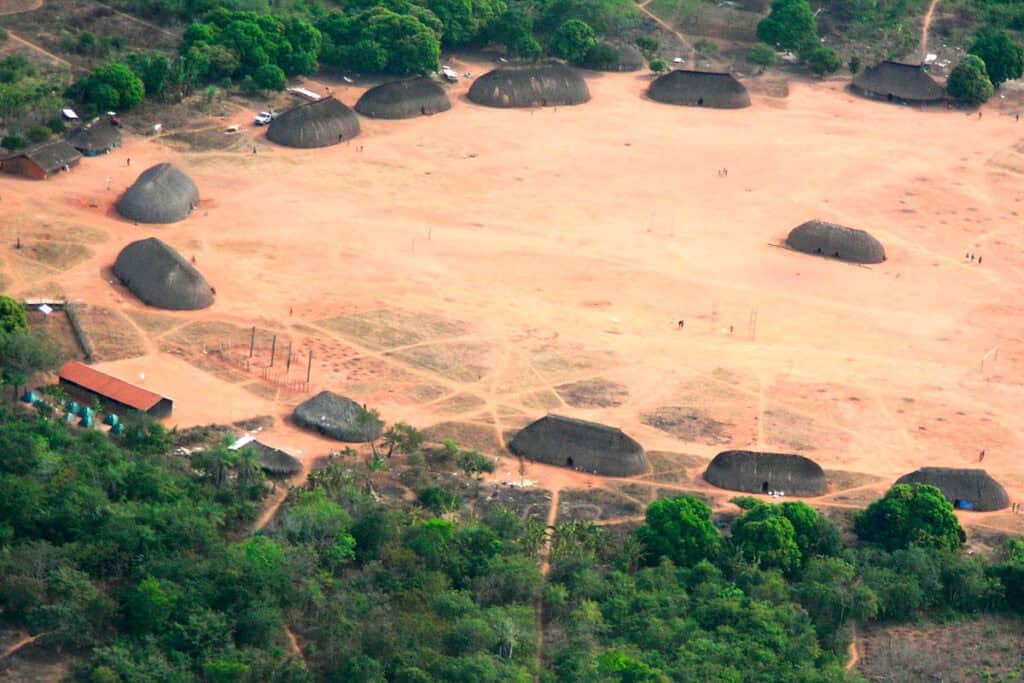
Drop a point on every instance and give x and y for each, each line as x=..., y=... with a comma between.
x=273, y=350
x=252, y=340
x=309, y=367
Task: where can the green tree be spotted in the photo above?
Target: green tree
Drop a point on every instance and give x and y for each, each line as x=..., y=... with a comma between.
x=12, y=316
x=457, y=18
x=37, y=134
x=514, y=30
x=679, y=529
x=657, y=66
x=762, y=55
x=969, y=82
x=790, y=25
x=765, y=536
x=472, y=462
x=114, y=86
x=270, y=77
x=910, y=514
x=149, y=604
x=1003, y=56
x=823, y=60
x=323, y=524
x=23, y=354
x=572, y=40
x=832, y=594
x=648, y=45
x=854, y=64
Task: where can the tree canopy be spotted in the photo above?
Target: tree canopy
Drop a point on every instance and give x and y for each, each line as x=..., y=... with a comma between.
x=909, y=515
x=1002, y=55
x=790, y=25
x=679, y=529
x=572, y=40
x=969, y=82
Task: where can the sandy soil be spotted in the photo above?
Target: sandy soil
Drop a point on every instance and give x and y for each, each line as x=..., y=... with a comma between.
x=494, y=255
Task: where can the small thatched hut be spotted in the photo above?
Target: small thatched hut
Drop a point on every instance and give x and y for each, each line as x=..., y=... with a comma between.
x=836, y=241
x=699, y=89
x=628, y=58
x=161, y=194
x=542, y=84
x=160, y=277
x=274, y=461
x=581, y=445
x=314, y=124
x=404, y=99
x=964, y=488
x=896, y=82
x=337, y=417
x=756, y=472
x=95, y=138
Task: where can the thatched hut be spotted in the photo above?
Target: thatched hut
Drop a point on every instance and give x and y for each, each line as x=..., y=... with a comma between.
x=404, y=99
x=161, y=194
x=338, y=417
x=756, y=472
x=699, y=89
x=314, y=124
x=897, y=82
x=836, y=241
x=628, y=58
x=541, y=84
x=274, y=461
x=95, y=138
x=581, y=445
x=964, y=488
x=160, y=277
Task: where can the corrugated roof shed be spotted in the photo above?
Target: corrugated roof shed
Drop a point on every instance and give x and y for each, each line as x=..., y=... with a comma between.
x=108, y=386
x=53, y=156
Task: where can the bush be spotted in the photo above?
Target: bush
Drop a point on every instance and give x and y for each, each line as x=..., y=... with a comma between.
x=12, y=142
x=969, y=81
x=603, y=57
x=706, y=47
x=823, y=60
x=762, y=55
x=658, y=65
x=270, y=77
x=56, y=126
x=3, y=35
x=472, y=462
x=854, y=64
x=37, y=134
x=647, y=45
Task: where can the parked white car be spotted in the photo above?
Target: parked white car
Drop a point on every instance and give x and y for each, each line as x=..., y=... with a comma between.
x=263, y=118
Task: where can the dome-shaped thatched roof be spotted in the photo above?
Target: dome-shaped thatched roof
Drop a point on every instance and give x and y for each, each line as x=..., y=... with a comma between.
x=699, y=89
x=756, y=472
x=98, y=137
x=898, y=82
x=975, y=487
x=582, y=445
x=836, y=241
x=404, y=99
x=629, y=58
x=274, y=461
x=161, y=194
x=160, y=277
x=530, y=85
x=337, y=417
x=314, y=124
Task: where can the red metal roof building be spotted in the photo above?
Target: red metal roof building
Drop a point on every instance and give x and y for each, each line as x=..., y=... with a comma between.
x=86, y=384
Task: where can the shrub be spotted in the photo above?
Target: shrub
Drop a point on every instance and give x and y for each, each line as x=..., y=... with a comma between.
x=762, y=55
x=658, y=65
x=706, y=47
x=37, y=134
x=270, y=77
x=969, y=81
x=854, y=64
x=472, y=462
x=3, y=35
x=647, y=45
x=56, y=126
x=12, y=142
x=602, y=56
x=823, y=60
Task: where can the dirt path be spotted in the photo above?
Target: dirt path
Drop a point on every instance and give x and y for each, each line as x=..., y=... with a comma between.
x=852, y=651
x=15, y=647
x=31, y=8
x=137, y=20
x=32, y=46
x=664, y=24
x=925, y=25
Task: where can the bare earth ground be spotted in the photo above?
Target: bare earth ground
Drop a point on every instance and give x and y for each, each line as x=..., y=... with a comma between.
x=482, y=267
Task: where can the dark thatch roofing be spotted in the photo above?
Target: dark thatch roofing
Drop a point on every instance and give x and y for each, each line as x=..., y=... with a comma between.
x=530, y=85
x=314, y=124
x=97, y=137
x=161, y=194
x=337, y=417
x=974, y=486
x=52, y=156
x=404, y=99
x=756, y=472
x=898, y=82
x=274, y=461
x=630, y=58
x=836, y=241
x=699, y=89
x=582, y=445
x=160, y=277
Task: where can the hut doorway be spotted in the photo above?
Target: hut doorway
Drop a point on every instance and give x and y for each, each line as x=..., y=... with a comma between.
x=764, y=487
x=568, y=462
x=700, y=102
x=889, y=97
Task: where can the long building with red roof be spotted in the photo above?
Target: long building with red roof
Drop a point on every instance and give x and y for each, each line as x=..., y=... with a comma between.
x=87, y=384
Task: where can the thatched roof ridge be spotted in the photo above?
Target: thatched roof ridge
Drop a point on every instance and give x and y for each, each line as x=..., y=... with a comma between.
x=97, y=137
x=161, y=194
x=699, y=89
x=50, y=156
x=895, y=81
x=160, y=277
x=404, y=99
x=974, y=486
x=548, y=83
x=836, y=241
x=582, y=445
x=757, y=472
x=338, y=417
x=274, y=461
x=314, y=124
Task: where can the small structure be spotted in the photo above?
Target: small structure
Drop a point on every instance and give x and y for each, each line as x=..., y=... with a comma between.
x=89, y=384
x=966, y=489
x=161, y=277
x=543, y=84
x=699, y=89
x=304, y=93
x=898, y=82
x=273, y=461
x=95, y=138
x=42, y=161
x=756, y=472
x=836, y=241
x=338, y=417
x=321, y=123
x=581, y=445
x=404, y=99
x=161, y=194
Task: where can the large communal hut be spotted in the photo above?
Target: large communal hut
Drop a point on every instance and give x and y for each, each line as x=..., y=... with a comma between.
x=95, y=138
x=160, y=277
x=836, y=241
x=404, y=99
x=897, y=82
x=161, y=194
x=530, y=85
x=969, y=489
x=321, y=123
x=756, y=472
x=699, y=89
x=614, y=57
x=337, y=417
x=581, y=445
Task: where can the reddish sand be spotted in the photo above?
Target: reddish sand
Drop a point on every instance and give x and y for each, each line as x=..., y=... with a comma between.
x=569, y=241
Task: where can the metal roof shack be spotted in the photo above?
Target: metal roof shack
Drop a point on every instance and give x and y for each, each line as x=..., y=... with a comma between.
x=86, y=384
x=42, y=161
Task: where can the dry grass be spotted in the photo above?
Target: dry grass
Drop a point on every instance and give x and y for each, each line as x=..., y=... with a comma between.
x=594, y=504
x=841, y=480
x=593, y=393
x=467, y=434
x=464, y=362
x=154, y=323
x=459, y=404
x=213, y=139
x=388, y=328
x=56, y=327
x=111, y=335
x=688, y=424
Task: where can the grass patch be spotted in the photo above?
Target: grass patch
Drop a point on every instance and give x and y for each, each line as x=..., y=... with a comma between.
x=112, y=336
x=464, y=362
x=388, y=329
x=467, y=435
x=593, y=393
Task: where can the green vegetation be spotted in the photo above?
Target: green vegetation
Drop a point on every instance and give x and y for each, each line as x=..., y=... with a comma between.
x=22, y=351
x=854, y=65
x=762, y=55
x=113, y=86
x=27, y=98
x=572, y=41
x=657, y=66
x=910, y=515
x=969, y=81
x=790, y=25
x=823, y=60
x=648, y=45
x=1002, y=56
